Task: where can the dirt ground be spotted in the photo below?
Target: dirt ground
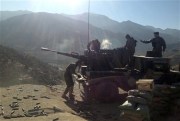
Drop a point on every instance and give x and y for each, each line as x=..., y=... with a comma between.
x=18, y=99
x=45, y=104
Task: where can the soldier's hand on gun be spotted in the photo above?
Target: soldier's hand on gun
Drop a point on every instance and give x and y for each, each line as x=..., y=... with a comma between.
x=141, y=41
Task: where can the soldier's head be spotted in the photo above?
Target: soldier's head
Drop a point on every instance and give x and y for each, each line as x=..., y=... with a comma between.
x=156, y=34
x=72, y=66
x=94, y=45
x=127, y=36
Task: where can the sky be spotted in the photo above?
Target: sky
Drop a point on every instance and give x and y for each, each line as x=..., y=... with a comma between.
x=158, y=13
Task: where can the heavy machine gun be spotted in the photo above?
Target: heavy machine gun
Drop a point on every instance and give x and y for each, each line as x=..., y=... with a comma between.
x=105, y=74
x=101, y=74
x=95, y=61
x=72, y=54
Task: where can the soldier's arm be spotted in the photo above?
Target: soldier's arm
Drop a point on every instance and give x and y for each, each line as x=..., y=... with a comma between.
x=146, y=42
x=78, y=65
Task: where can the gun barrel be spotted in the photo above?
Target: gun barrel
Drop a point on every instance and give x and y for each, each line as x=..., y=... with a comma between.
x=46, y=49
x=68, y=54
x=73, y=54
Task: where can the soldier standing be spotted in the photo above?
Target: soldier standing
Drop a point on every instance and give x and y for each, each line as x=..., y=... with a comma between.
x=130, y=47
x=158, y=45
x=130, y=44
x=69, y=81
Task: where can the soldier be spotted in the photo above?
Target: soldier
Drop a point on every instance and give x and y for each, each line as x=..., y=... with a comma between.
x=94, y=45
x=158, y=45
x=69, y=81
x=130, y=47
x=130, y=44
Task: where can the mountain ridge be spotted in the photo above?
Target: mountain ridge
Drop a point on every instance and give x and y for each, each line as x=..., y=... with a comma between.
x=20, y=12
x=62, y=32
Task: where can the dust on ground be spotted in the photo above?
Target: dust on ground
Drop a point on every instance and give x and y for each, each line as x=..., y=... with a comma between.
x=47, y=104
x=44, y=103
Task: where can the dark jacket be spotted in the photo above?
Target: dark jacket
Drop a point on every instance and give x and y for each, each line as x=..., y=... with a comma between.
x=68, y=74
x=158, y=45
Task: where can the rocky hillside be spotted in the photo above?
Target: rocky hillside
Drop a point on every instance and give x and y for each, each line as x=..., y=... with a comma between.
x=22, y=68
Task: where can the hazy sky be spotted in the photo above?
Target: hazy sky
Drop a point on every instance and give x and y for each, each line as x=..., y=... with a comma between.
x=158, y=13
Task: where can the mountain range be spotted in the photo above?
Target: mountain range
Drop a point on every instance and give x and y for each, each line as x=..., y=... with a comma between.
x=126, y=27
x=27, y=31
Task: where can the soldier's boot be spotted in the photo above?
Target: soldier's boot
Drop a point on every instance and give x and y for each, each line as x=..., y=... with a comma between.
x=65, y=92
